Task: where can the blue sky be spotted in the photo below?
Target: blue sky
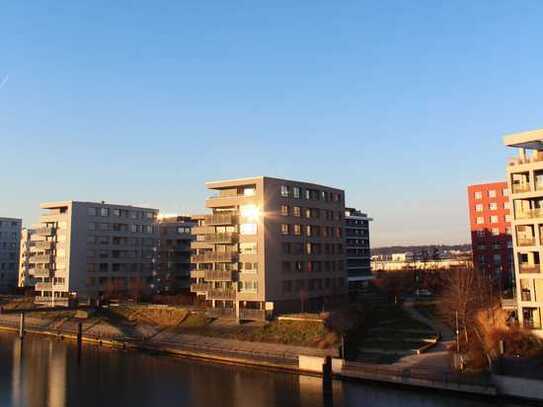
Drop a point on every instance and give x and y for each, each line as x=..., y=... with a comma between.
x=400, y=103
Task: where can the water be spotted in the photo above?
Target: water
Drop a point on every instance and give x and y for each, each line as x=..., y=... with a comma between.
x=47, y=372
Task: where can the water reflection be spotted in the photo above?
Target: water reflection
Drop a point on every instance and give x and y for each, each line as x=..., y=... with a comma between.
x=46, y=372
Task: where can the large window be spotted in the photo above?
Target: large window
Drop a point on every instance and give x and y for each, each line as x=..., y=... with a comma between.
x=247, y=248
x=284, y=191
x=247, y=229
x=297, y=230
x=297, y=192
x=104, y=212
x=284, y=210
x=297, y=211
x=285, y=229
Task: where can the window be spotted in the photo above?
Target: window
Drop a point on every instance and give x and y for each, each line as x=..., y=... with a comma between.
x=284, y=210
x=296, y=192
x=506, y=192
x=506, y=205
x=284, y=229
x=478, y=195
x=493, y=206
x=104, y=212
x=116, y=212
x=92, y=226
x=284, y=191
x=297, y=211
x=492, y=193
x=249, y=191
x=297, y=230
x=308, y=213
x=247, y=229
x=495, y=231
x=308, y=194
x=250, y=212
x=92, y=211
x=494, y=219
x=308, y=230
x=480, y=220
x=248, y=248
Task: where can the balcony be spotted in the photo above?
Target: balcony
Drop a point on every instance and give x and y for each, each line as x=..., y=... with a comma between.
x=218, y=275
x=44, y=286
x=199, y=288
x=529, y=269
x=214, y=257
x=513, y=162
x=526, y=296
x=224, y=238
x=220, y=219
x=41, y=259
x=531, y=214
x=221, y=294
x=42, y=244
x=40, y=272
x=246, y=314
x=202, y=230
x=522, y=241
x=197, y=273
x=530, y=324
x=519, y=188
x=45, y=231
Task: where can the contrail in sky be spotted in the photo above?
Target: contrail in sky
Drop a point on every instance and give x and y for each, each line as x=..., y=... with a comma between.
x=4, y=81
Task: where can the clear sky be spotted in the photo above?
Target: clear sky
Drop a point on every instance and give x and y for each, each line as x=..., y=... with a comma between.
x=401, y=103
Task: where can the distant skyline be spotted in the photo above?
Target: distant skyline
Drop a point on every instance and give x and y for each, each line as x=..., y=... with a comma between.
x=402, y=104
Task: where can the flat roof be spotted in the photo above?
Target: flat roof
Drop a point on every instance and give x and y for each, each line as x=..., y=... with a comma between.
x=529, y=139
x=54, y=205
x=240, y=181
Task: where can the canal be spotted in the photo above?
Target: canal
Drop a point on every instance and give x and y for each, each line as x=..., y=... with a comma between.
x=47, y=372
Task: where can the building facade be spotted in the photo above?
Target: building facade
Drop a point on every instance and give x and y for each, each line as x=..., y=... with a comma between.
x=269, y=245
x=490, y=224
x=10, y=235
x=174, y=251
x=25, y=279
x=84, y=250
x=525, y=180
x=357, y=248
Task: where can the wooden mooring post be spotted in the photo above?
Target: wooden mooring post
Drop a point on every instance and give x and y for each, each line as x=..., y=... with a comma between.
x=22, y=326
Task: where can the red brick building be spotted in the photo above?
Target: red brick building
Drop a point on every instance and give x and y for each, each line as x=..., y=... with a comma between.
x=491, y=231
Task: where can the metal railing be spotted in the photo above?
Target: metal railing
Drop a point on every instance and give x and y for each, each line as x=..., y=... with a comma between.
x=530, y=214
x=199, y=288
x=221, y=219
x=213, y=257
x=221, y=294
x=218, y=275
x=521, y=188
x=218, y=238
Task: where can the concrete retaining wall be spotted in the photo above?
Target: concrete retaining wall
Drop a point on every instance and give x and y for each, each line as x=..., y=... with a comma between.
x=519, y=387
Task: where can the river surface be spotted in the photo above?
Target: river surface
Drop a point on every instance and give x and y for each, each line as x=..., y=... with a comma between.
x=46, y=372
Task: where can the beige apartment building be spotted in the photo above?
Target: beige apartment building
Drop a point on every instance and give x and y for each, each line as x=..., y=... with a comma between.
x=25, y=278
x=525, y=179
x=269, y=245
x=82, y=250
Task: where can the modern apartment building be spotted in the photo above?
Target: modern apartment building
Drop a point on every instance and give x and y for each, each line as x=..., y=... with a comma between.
x=525, y=180
x=357, y=248
x=82, y=250
x=174, y=253
x=269, y=245
x=10, y=235
x=490, y=223
x=25, y=279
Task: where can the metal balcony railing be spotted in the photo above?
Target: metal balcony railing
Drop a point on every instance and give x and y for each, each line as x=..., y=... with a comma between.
x=221, y=219
x=225, y=238
x=221, y=294
x=199, y=288
x=210, y=257
x=517, y=188
x=218, y=275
